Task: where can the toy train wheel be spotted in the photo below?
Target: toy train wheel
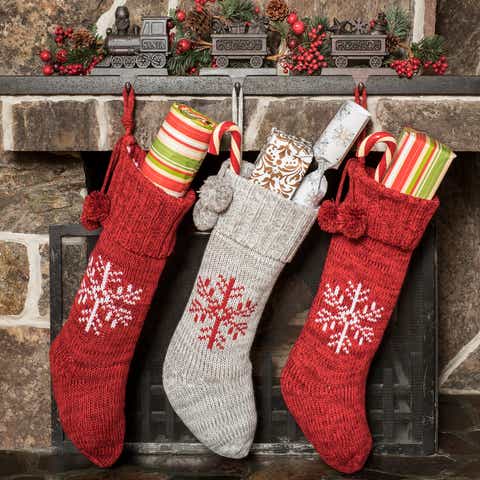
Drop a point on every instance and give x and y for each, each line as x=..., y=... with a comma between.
x=117, y=62
x=222, y=61
x=159, y=60
x=129, y=62
x=341, y=62
x=376, y=62
x=142, y=61
x=256, y=61
x=106, y=62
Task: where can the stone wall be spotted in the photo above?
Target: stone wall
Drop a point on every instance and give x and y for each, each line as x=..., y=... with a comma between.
x=38, y=123
x=36, y=190
x=23, y=23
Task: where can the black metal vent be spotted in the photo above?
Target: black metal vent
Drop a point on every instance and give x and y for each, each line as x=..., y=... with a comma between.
x=401, y=395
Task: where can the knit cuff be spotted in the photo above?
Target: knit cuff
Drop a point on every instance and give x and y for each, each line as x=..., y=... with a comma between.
x=392, y=217
x=143, y=218
x=264, y=221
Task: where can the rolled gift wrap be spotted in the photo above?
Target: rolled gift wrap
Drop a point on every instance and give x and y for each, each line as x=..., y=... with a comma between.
x=282, y=163
x=340, y=135
x=419, y=165
x=330, y=150
x=178, y=149
x=312, y=189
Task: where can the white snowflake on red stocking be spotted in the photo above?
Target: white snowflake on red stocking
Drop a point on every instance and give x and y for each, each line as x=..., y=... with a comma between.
x=104, y=297
x=348, y=315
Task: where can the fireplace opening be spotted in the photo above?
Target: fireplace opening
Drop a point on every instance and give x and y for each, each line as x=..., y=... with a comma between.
x=402, y=385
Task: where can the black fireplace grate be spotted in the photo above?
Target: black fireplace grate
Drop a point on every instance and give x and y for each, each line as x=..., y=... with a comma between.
x=401, y=393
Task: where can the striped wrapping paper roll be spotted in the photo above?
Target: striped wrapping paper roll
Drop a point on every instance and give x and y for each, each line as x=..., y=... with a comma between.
x=419, y=165
x=178, y=149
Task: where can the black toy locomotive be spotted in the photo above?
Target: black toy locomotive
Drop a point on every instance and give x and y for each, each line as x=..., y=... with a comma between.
x=135, y=47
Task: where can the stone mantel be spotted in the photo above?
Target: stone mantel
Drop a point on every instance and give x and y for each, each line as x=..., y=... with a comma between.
x=83, y=113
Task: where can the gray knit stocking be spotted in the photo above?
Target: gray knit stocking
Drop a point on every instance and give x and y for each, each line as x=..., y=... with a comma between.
x=207, y=371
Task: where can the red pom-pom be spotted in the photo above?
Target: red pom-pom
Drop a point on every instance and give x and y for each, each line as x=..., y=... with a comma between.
x=348, y=220
x=96, y=208
x=327, y=216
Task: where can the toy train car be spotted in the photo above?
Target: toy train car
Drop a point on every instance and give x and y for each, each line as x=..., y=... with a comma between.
x=239, y=46
x=362, y=47
x=145, y=48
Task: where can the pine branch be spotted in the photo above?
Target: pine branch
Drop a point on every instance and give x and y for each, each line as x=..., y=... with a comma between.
x=281, y=27
x=399, y=23
x=237, y=10
x=181, y=64
x=429, y=49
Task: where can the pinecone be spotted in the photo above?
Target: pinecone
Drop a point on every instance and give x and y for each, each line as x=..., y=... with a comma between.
x=392, y=43
x=83, y=38
x=200, y=23
x=277, y=10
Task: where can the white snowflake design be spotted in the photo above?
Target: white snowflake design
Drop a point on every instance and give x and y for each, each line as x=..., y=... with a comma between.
x=104, y=298
x=347, y=315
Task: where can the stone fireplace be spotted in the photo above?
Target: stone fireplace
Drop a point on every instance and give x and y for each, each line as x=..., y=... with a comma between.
x=44, y=186
x=55, y=139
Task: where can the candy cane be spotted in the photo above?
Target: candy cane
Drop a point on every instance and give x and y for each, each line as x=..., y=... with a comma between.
x=370, y=141
x=235, y=145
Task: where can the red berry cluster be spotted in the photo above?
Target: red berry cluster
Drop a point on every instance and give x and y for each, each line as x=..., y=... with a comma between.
x=307, y=57
x=61, y=34
x=439, y=67
x=56, y=60
x=407, y=67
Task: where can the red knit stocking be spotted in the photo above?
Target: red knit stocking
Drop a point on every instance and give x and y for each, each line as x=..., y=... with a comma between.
x=323, y=383
x=90, y=357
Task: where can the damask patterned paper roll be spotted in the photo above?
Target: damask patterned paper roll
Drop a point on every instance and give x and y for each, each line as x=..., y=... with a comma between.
x=178, y=149
x=282, y=163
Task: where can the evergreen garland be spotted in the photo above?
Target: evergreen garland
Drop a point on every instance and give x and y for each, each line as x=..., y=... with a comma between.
x=237, y=10
x=429, y=49
x=182, y=64
x=398, y=22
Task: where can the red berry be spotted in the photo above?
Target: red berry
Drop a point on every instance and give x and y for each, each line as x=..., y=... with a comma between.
x=181, y=15
x=45, y=56
x=184, y=45
x=257, y=10
x=292, y=18
x=59, y=39
x=298, y=27
x=292, y=43
x=61, y=55
x=48, y=70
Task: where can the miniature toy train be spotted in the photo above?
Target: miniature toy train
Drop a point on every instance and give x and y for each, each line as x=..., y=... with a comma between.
x=245, y=46
x=142, y=48
x=233, y=42
x=362, y=47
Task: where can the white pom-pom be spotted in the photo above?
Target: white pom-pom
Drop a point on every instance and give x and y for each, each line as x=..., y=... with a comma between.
x=204, y=218
x=215, y=194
